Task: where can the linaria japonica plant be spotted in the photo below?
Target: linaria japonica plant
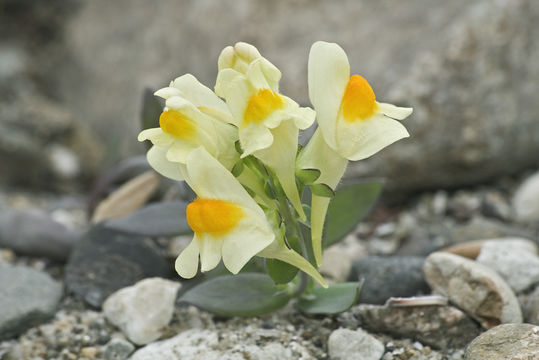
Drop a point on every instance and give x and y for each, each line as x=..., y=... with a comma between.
x=237, y=149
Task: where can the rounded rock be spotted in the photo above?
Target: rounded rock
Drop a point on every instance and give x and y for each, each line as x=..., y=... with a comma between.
x=27, y=298
x=526, y=200
x=345, y=344
x=141, y=311
x=514, y=259
x=508, y=341
x=474, y=288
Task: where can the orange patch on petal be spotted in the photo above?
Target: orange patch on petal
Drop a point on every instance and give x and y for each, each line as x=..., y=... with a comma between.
x=261, y=105
x=358, y=102
x=216, y=217
x=175, y=123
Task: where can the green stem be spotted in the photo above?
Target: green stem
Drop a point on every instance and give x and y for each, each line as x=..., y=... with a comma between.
x=290, y=219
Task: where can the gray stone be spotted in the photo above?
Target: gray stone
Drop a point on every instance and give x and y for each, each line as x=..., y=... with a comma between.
x=188, y=345
x=389, y=276
x=465, y=101
x=28, y=297
x=508, y=341
x=118, y=349
x=345, y=344
x=142, y=311
x=105, y=261
x=474, y=288
x=526, y=200
x=440, y=327
x=34, y=233
x=531, y=307
x=514, y=259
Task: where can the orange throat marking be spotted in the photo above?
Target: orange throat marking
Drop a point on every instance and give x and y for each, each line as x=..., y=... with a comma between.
x=216, y=217
x=175, y=123
x=358, y=102
x=261, y=105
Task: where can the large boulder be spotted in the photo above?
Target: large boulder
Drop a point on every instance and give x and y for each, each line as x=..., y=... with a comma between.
x=467, y=68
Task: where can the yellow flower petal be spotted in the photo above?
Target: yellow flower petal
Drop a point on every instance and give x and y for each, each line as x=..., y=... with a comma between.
x=157, y=159
x=198, y=94
x=361, y=139
x=394, y=112
x=167, y=92
x=210, y=251
x=328, y=75
x=186, y=264
x=254, y=138
x=210, y=180
x=248, y=239
x=157, y=136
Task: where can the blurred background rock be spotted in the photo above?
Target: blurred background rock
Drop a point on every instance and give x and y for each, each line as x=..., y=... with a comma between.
x=72, y=74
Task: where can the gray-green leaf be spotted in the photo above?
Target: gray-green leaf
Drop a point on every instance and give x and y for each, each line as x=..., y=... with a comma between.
x=247, y=294
x=160, y=219
x=350, y=204
x=335, y=299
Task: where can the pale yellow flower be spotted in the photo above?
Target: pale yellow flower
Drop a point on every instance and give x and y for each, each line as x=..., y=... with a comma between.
x=267, y=121
x=228, y=224
x=193, y=116
x=352, y=125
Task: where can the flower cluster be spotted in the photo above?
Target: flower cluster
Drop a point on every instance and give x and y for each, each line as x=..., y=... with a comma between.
x=237, y=148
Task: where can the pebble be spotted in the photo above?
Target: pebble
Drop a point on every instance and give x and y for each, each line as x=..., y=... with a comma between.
x=345, y=344
x=141, y=311
x=514, y=259
x=28, y=297
x=105, y=261
x=474, y=288
x=526, y=200
x=507, y=341
x=437, y=326
x=118, y=349
x=34, y=233
x=399, y=276
x=188, y=345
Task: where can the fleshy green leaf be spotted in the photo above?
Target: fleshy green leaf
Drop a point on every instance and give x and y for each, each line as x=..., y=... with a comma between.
x=308, y=176
x=151, y=110
x=280, y=271
x=322, y=190
x=161, y=219
x=335, y=299
x=350, y=204
x=247, y=294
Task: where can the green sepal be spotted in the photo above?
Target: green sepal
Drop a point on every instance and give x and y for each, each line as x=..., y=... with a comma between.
x=308, y=176
x=322, y=190
x=245, y=294
x=237, y=169
x=238, y=148
x=268, y=190
x=333, y=300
